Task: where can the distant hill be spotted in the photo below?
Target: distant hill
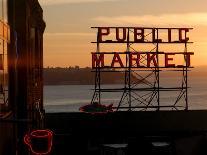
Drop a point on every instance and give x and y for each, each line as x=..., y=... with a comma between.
x=76, y=76
x=84, y=76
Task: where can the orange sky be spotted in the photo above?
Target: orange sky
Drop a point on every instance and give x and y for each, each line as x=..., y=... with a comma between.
x=68, y=34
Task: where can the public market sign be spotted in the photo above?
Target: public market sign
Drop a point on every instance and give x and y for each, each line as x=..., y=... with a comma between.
x=135, y=58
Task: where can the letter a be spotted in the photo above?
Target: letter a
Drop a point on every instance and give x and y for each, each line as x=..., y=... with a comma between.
x=116, y=59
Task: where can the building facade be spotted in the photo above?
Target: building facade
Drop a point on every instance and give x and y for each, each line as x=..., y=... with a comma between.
x=21, y=72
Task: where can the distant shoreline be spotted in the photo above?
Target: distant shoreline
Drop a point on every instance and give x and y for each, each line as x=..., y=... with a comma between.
x=84, y=76
x=81, y=84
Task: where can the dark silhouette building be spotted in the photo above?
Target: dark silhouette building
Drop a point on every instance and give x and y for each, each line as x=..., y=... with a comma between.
x=21, y=75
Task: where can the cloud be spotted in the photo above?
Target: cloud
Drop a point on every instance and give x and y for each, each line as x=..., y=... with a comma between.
x=55, y=2
x=187, y=19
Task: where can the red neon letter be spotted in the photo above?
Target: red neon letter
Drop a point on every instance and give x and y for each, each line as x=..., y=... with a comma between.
x=101, y=33
x=97, y=59
x=137, y=59
x=181, y=35
x=151, y=58
x=117, y=59
x=118, y=37
x=138, y=32
x=188, y=59
x=169, y=36
x=167, y=59
x=154, y=38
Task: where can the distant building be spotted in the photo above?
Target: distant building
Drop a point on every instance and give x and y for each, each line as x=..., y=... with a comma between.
x=21, y=71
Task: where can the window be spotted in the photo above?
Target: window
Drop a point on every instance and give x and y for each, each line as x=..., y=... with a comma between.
x=3, y=72
x=4, y=40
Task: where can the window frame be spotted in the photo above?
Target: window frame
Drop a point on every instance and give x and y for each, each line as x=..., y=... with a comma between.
x=4, y=66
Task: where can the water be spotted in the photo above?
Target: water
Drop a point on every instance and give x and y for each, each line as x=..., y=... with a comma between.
x=68, y=98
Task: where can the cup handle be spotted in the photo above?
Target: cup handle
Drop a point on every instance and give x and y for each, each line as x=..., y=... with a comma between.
x=27, y=140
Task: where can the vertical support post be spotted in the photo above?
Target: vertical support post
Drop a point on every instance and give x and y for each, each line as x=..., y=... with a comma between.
x=99, y=72
x=129, y=70
x=127, y=84
x=97, y=92
x=186, y=74
x=157, y=70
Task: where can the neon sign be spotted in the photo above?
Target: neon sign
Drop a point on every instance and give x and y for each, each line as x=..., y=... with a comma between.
x=139, y=35
x=39, y=141
x=96, y=109
x=135, y=58
x=142, y=55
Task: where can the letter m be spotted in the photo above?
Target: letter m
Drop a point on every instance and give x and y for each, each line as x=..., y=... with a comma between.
x=97, y=60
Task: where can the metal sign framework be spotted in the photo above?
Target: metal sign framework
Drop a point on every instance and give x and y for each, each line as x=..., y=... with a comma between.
x=142, y=87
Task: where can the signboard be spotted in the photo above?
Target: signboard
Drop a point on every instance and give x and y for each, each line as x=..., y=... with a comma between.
x=135, y=58
x=141, y=35
x=145, y=55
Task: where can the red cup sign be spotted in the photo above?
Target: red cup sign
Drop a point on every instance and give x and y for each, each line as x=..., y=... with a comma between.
x=39, y=141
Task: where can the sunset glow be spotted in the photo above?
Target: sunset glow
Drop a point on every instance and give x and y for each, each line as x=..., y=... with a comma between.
x=68, y=36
